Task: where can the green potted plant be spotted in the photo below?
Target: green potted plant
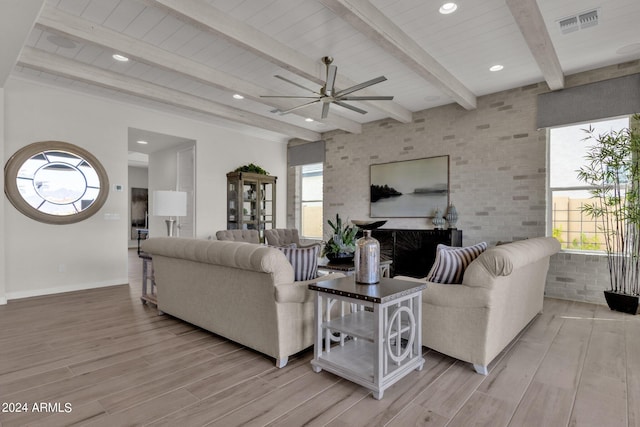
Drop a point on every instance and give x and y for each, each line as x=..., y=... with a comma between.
x=252, y=169
x=342, y=245
x=613, y=168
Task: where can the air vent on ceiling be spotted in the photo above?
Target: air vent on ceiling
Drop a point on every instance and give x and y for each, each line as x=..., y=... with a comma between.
x=579, y=21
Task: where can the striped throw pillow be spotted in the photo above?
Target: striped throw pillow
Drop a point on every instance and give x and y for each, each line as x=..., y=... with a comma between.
x=303, y=260
x=451, y=262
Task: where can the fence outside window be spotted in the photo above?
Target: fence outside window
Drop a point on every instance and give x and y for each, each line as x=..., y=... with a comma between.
x=573, y=228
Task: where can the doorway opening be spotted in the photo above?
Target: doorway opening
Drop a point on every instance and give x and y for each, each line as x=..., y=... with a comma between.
x=158, y=162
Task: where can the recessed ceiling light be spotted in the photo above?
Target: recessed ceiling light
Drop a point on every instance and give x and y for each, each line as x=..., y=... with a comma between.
x=308, y=119
x=120, y=58
x=237, y=96
x=142, y=142
x=496, y=67
x=448, y=8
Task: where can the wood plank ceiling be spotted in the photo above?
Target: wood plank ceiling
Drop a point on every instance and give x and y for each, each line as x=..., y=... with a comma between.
x=191, y=56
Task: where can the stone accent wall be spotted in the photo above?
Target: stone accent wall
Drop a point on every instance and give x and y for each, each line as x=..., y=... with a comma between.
x=578, y=277
x=497, y=173
x=498, y=190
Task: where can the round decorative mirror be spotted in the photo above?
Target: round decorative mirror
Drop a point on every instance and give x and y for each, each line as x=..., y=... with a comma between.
x=55, y=182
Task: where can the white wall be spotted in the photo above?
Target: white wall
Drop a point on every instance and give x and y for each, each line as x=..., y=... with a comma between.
x=215, y=157
x=42, y=258
x=3, y=298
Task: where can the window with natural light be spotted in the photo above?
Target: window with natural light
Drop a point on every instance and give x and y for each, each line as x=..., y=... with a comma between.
x=311, y=201
x=567, y=149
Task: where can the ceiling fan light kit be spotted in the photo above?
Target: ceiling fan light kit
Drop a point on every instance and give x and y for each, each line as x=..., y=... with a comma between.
x=329, y=95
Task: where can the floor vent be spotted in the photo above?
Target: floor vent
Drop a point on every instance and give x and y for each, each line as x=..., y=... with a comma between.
x=579, y=21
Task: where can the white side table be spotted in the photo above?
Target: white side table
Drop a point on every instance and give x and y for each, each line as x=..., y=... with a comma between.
x=148, y=280
x=380, y=339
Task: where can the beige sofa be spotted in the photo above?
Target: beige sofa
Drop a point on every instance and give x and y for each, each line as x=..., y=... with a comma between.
x=242, y=291
x=249, y=236
x=501, y=292
x=285, y=236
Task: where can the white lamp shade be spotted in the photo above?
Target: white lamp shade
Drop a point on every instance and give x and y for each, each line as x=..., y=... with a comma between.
x=169, y=203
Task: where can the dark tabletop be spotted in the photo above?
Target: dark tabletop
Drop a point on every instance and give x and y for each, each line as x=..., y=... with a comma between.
x=386, y=290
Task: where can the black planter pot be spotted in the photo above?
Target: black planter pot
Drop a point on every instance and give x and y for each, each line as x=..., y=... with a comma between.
x=340, y=258
x=622, y=302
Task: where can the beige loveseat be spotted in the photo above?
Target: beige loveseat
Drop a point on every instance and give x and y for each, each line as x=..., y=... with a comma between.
x=242, y=291
x=501, y=292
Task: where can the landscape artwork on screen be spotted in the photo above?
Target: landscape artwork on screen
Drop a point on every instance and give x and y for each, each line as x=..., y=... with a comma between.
x=410, y=188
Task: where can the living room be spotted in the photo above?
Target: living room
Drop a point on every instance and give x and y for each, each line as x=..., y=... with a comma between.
x=498, y=175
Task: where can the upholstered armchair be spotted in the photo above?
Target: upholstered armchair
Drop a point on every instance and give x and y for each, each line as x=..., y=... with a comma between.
x=284, y=236
x=249, y=236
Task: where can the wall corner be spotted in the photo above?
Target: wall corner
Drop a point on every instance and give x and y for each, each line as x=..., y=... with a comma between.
x=3, y=276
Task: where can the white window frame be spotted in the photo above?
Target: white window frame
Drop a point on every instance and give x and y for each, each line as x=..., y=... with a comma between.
x=302, y=201
x=550, y=189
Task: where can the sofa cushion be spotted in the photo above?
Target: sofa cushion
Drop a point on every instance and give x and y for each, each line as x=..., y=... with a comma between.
x=286, y=245
x=303, y=260
x=451, y=262
x=504, y=259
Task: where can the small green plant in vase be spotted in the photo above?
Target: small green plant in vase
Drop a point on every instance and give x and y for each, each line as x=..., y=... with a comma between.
x=342, y=244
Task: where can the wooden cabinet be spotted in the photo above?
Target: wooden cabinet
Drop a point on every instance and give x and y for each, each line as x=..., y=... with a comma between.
x=251, y=202
x=413, y=251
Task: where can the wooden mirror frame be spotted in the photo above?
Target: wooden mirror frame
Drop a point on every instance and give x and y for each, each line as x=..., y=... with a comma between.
x=16, y=161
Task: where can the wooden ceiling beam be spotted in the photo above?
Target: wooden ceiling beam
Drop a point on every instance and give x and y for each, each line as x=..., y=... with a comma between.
x=532, y=26
x=55, y=20
x=370, y=21
x=50, y=63
x=249, y=38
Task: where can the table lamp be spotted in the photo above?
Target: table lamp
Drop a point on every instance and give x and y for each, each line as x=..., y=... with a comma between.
x=171, y=204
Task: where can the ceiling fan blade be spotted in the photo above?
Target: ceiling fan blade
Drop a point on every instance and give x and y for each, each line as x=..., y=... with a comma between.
x=298, y=107
x=296, y=84
x=365, y=98
x=350, y=107
x=325, y=110
x=360, y=86
x=285, y=96
x=331, y=79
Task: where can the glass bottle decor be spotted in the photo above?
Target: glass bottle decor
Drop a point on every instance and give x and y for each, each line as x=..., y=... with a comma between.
x=452, y=216
x=367, y=260
x=438, y=221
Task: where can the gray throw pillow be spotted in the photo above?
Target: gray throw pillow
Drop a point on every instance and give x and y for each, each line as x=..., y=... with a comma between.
x=303, y=260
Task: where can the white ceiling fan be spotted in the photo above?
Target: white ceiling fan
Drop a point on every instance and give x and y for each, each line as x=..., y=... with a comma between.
x=328, y=94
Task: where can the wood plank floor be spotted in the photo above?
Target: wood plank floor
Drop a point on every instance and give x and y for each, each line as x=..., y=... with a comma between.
x=101, y=358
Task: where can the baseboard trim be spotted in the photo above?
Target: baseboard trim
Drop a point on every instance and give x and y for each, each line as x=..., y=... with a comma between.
x=3, y=301
x=62, y=289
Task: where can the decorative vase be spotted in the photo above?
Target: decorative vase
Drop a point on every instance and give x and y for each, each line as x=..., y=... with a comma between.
x=452, y=216
x=438, y=221
x=367, y=259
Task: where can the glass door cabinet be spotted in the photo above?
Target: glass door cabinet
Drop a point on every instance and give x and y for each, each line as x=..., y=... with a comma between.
x=251, y=202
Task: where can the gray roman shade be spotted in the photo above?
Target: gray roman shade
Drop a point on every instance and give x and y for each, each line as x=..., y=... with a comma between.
x=306, y=154
x=593, y=101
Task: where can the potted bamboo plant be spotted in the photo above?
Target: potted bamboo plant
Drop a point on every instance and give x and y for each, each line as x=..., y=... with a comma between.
x=613, y=168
